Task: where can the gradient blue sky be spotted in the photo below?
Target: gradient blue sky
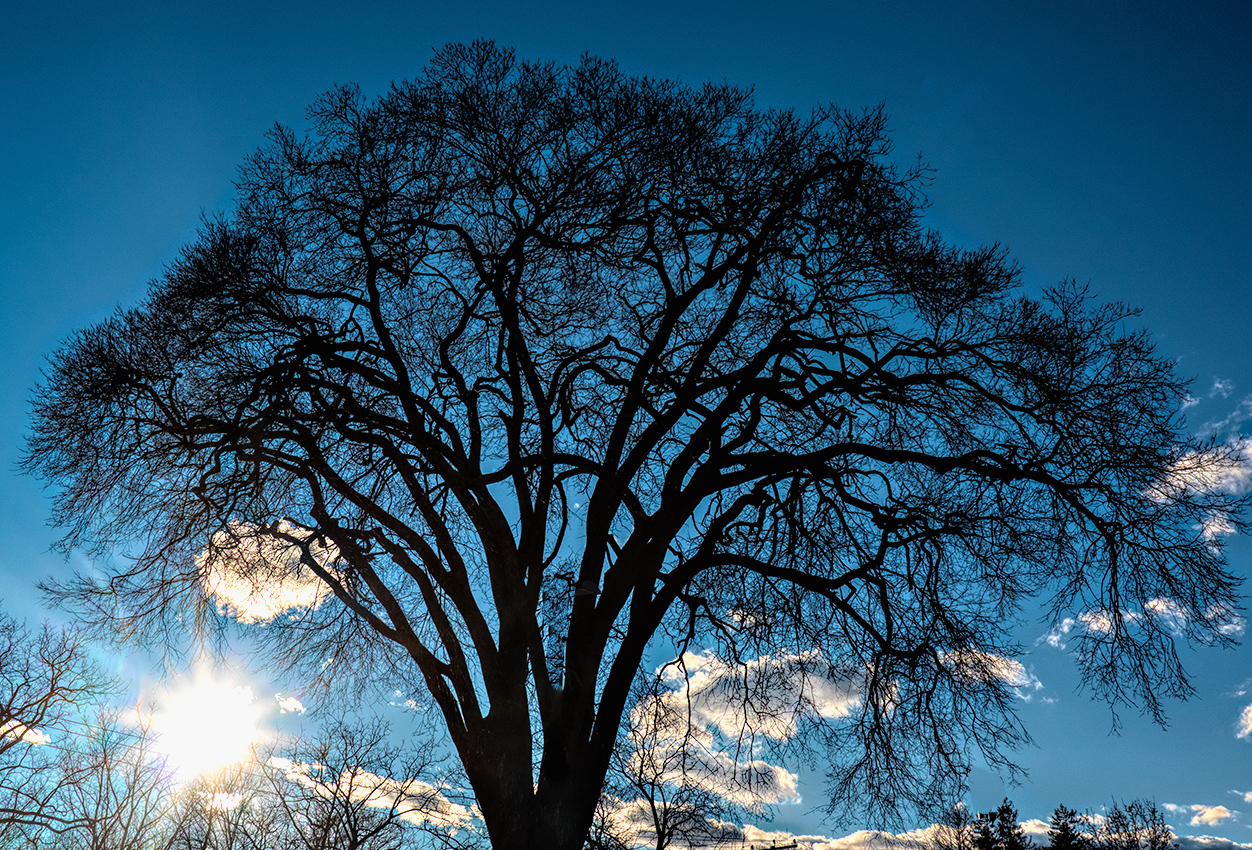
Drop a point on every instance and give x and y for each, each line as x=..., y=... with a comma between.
x=1108, y=142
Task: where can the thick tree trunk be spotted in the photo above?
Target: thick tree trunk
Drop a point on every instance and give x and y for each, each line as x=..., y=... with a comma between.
x=555, y=817
x=553, y=814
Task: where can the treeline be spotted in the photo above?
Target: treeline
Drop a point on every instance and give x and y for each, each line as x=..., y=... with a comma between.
x=1135, y=825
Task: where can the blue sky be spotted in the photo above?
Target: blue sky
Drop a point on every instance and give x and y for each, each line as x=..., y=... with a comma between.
x=1108, y=142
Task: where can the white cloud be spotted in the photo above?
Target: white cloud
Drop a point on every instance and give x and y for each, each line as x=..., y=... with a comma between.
x=256, y=576
x=1208, y=815
x=980, y=666
x=1225, y=621
x=921, y=839
x=1224, y=469
x=1165, y=611
x=861, y=840
x=1208, y=842
x=631, y=823
x=1203, y=815
x=15, y=730
x=289, y=705
x=1168, y=612
x=1245, y=722
x=1034, y=826
x=767, y=696
x=704, y=732
x=698, y=762
x=413, y=800
x=1055, y=637
x=1100, y=620
x=1215, y=526
x=1247, y=797
x=224, y=801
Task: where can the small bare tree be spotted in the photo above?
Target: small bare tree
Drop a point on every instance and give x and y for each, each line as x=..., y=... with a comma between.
x=47, y=680
x=1136, y=825
x=351, y=788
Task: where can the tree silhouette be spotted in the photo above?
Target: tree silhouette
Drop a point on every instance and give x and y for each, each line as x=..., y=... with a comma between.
x=1009, y=834
x=349, y=788
x=955, y=829
x=1065, y=830
x=1137, y=825
x=521, y=377
x=47, y=676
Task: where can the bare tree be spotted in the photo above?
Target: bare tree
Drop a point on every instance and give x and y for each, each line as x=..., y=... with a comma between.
x=112, y=790
x=523, y=374
x=1136, y=825
x=47, y=679
x=350, y=788
x=230, y=809
x=955, y=829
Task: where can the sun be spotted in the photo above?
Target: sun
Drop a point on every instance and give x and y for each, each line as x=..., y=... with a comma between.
x=206, y=726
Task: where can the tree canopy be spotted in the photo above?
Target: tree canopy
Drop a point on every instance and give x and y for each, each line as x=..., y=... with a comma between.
x=521, y=379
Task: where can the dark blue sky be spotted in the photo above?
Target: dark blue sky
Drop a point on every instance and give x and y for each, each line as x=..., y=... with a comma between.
x=1108, y=142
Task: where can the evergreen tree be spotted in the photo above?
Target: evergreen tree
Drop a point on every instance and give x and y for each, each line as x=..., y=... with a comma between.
x=1009, y=834
x=1064, y=832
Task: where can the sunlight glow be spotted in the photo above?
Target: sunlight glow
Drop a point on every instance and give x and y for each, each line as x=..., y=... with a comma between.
x=206, y=727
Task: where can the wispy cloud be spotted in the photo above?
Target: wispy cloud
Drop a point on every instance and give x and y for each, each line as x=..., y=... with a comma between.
x=986, y=666
x=1226, y=621
x=1168, y=613
x=1245, y=723
x=1232, y=422
x=1164, y=611
x=766, y=696
x=1225, y=469
x=1221, y=389
x=1055, y=637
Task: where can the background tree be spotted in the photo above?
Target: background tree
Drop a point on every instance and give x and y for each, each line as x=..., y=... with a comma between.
x=985, y=831
x=1137, y=825
x=1009, y=834
x=955, y=829
x=47, y=680
x=525, y=374
x=114, y=789
x=350, y=788
x=1067, y=830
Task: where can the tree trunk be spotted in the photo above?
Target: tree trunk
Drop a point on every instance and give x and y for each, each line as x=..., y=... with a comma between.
x=555, y=813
